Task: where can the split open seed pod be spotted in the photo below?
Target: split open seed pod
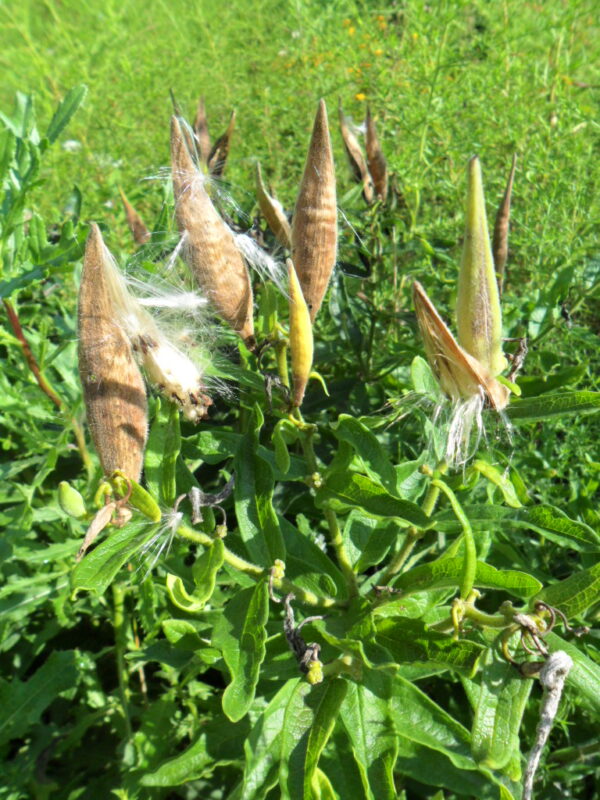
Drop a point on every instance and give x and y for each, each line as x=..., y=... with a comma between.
x=478, y=313
x=376, y=160
x=500, y=239
x=314, y=225
x=113, y=388
x=356, y=158
x=138, y=229
x=201, y=132
x=301, y=337
x=273, y=212
x=459, y=374
x=208, y=248
x=217, y=158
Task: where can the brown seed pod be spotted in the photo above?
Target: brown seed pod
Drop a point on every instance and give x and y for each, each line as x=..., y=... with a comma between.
x=500, y=239
x=376, y=160
x=201, y=132
x=356, y=157
x=273, y=212
x=139, y=231
x=113, y=387
x=209, y=249
x=217, y=157
x=460, y=375
x=314, y=225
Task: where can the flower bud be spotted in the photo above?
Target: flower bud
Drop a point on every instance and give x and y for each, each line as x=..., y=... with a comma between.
x=71, y=501
x=314, y=224
x=478, y=313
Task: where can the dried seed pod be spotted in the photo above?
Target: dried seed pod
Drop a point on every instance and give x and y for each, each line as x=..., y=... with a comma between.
x=201, y=132
x=376, y=160
x=113, y=387
x=208, y=246
x=500, y=239
x=460, y=375
x=314, y=224
x=301, y=337
x=356, y=157
x=273, y=212
x=217, y=157
x=139, y=231
x=478, y=312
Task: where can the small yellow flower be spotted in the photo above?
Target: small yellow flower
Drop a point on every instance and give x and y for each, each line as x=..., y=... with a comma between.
x=378, y=52
x=351, y=30
x=415, y=36
x=360, y=96
x=346, y=23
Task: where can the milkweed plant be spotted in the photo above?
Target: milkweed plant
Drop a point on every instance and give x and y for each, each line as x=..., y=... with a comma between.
x=296, y=559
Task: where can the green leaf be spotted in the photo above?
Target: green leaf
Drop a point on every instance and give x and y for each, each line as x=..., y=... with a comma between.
x=308, y=565
x=365, y=714
x=307, y=725
x=240, y=635
x=584, y=675
x=253, y=493
x=408, y=641
x=532, y=385
x=62, y=115
x=22, y=703
x=576, y=593
x=205, y=570
x=499, y=709
x=500, y=480
x=366, y=445
x=448, y=572
x=344, y=490
x=280, y=443
x=547, y=520
x=423, y=379
x=263, y=745
x=532, y=409
x=368, y=540
x=99, y=567
x=162, y=450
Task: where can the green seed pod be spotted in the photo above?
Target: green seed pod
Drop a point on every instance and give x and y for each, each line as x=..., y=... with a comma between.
x=478, y=313
x=71, y=501
x=138, y=498
x=301, y=337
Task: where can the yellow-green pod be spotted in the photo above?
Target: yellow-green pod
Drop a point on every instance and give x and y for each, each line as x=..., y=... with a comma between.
x=301, y=337
x=479, y=318
x=139, y=497
x=71, y=501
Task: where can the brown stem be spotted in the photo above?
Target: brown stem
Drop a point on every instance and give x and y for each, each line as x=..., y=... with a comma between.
x=44, y=385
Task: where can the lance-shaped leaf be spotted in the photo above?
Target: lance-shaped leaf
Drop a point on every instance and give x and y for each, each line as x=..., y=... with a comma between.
x=139, y=231
x=272, y=211
x=209, y=248
x=376, y=160
x=460, y=375
x=314, y=225
x=500, y=240
x=301, y=337
x=201, y=132
x=113, y=387
x=356, y=157
x=217, y=158
x=478, y=313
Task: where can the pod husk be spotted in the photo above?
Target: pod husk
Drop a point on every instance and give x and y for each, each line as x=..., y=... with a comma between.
x=356, y=158
x=113, y=388
x=301, y=337
x=209, y=248
x=314, y=224
x=136, y=225
x=217, y=158
x=376, y=160
x=273, y=213
x=500, y=238
x=478, y=312
x=201, y=132
x=459, y=374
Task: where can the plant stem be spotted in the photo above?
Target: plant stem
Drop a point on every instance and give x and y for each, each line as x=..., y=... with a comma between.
x=31, y=362
x=335, y=536
x=470, y=563
x=120, y=626
x=258, y=573
x=412, y=537
x=282, y=365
